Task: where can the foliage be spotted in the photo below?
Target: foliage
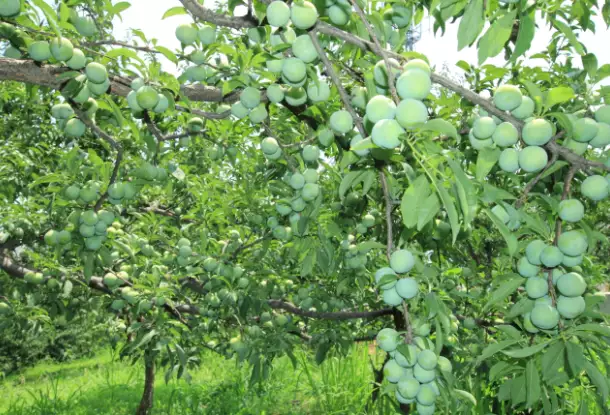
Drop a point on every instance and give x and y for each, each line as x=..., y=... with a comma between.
x=280, y=189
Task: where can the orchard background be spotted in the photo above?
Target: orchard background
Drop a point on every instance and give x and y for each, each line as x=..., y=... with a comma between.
x=303, y=183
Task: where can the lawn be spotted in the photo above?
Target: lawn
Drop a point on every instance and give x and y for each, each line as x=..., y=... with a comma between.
x=106, y=385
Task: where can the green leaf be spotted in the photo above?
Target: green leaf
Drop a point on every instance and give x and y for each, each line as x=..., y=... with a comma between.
x=471, y=24
x=597, y=328
x=509, y=237
x=486, y=160
x=598, y=379
x=589, y=62
x=465, y=191
x=518, y=390
x=569, y=34
x=449, y=206
x=532, y=383
x=558, y=95
x=49, y=13
x=575, y=357
x=167, y=53
x=465, y=395
x=498, y=369
x=146, y=339
x=493, y=41
x=181, y=355
x=174, y=11
x=427, y=210
x=534, y=92
x=526, y=351
x=527, y=29
x=347, y=181
x=504, y=290
x=495, y=348
x=441, y=126
x=411, y=198
x=583, y=408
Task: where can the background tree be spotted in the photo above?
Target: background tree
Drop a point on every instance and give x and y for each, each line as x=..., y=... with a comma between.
x=306, y=180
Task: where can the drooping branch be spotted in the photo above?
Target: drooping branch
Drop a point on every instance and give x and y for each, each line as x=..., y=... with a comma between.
x=18, y=271
x=335, y=78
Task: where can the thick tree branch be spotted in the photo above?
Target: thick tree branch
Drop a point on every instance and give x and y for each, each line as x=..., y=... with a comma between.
x=28, y=71
x=338, y=315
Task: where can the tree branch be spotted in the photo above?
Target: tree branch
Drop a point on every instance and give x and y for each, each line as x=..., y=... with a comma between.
x=379, y=51
x=333, y=75
x=338, y=315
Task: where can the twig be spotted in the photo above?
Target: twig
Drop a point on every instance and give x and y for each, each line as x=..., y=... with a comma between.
x=380, y=51
x=528, y=188
x=333, y=75
x=249, y=245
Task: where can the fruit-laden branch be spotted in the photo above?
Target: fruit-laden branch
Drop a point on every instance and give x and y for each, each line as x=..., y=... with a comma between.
x=113, y=143
x=152, y=127
x=201, y=13
x=205, y=114
x=337, y=315
x=335, y=78
x=28, y=71
x=390, y=245
x=16, y=270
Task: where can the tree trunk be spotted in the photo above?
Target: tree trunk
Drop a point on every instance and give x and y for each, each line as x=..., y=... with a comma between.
x=146, y=403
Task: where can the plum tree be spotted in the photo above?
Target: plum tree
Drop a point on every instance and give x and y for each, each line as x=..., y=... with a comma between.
x=145, y=190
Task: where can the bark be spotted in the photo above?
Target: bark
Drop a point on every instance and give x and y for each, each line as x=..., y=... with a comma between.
x=146, y=403
x=27, y=71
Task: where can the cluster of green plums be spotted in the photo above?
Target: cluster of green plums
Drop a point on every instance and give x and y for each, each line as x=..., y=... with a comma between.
x=86, y=194
x=395, y=289
x=413, y=368
x=386, y=121
x=149, y=174
x=94, y=227
x=143, y=97
x=489, y=131
x=356, y=253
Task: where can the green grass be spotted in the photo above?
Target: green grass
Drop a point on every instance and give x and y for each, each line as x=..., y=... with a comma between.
x=105, y=385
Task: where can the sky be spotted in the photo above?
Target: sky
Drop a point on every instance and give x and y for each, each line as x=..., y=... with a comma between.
x=146, y=16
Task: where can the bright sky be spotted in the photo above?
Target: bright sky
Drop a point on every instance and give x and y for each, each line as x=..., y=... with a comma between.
x=146, y=16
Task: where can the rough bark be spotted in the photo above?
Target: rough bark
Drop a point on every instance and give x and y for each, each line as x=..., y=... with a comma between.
x=146, y=403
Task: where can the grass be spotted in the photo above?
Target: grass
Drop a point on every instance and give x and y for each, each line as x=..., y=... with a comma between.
x=104, y=385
